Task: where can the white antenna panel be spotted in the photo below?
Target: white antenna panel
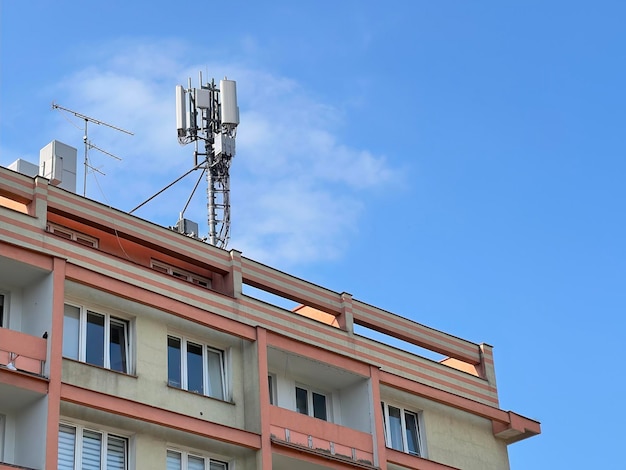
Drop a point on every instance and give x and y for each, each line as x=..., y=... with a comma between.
x=181, y=111
x=203, y=98
x=230, y=110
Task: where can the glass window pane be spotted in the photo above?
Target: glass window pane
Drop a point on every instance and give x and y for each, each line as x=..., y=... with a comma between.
x=195, y=381
x=195, y=463
x=412, y=434
x=118, y=333
x=116, y=453
x=302, y=405
x=382, y=404
x=319, y=406
x=67, y=443
x=174, y=461
x=91, y=450
x=215, y=465
x=71, y=331
x=173, y=362
x=270, y=386
x=95, y=339
x=395, y=428
x=216, y=383
x=1, y=310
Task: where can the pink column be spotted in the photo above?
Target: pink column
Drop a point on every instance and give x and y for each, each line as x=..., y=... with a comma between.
x=346, y=319
x=264, y=400
x=55, y=358
x=378, y=433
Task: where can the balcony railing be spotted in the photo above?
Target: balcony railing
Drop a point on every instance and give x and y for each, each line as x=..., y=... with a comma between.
x=8, y=466
x=321, y=437
x=22, y=352
x=412, y=461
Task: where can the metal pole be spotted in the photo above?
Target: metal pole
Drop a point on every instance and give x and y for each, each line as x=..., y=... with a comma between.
x=86, y=142
x=211, y=195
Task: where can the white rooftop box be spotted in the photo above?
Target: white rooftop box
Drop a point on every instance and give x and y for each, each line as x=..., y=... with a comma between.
x=57, y=162
x=24, y=167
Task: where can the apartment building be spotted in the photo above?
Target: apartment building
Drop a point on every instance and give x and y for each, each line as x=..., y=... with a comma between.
x=126, y=345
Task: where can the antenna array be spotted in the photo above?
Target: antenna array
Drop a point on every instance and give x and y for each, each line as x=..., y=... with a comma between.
x=208, y=116
x=88, y=144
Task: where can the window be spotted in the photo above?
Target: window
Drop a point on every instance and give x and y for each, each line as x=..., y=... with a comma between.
x=402, y=430
x=185, y=461
x=2, y=310
x=70, y=234
x=181, y=274
x=2, y=420
x=271, y=382
x=87, y=449
x=311, y=403
x=195, y=367
x=96, y=338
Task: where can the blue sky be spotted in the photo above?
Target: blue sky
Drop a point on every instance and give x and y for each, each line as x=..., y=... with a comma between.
x=460, y=163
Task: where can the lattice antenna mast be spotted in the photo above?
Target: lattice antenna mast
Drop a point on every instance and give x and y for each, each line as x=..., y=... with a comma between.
x=88, y=144
x=209, y=115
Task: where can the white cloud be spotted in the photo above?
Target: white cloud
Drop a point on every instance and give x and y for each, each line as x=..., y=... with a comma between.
x=298, y=190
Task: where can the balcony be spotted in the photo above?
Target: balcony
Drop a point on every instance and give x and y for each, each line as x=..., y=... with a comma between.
x=24, y=402
x=20, y=352
x=320, y=409
x=292, y=430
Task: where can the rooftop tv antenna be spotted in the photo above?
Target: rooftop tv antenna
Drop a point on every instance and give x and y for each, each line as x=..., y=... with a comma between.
x=209, y=115
x=90, y=145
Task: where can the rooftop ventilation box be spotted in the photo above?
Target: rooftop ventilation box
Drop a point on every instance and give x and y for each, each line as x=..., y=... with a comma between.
x=187, y=227
x=24, y=167
x=57, y=162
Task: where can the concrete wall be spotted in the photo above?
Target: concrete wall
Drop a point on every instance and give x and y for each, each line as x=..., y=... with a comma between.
x=30, y=434
x=251, y=382
x=8, y=453
x=149, y=442
x=355, y=406
x=453, y=437
x=463, y=440
x=285, y=391
x=13, y=308
x=148, y=384
x=37, y=307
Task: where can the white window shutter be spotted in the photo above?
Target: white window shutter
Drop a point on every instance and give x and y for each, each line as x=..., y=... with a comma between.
x=67, y=443
x=92, y=450
x=173, y=460
x=116, y=453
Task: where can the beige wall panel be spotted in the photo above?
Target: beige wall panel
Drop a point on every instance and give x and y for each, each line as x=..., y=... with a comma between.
x=150, y=452
x=149, y=442
x=149, y=384
x=454, y=437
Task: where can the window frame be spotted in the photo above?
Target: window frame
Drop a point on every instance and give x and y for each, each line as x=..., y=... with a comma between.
x=181, y=274
x=310, y=404
x=69, y=234
x=183, y=367
x=419, y=438
x=4, y=309
x=105, y=436
x=109, y=320
x=3, y=421
x=272, y=386
x=185, y=455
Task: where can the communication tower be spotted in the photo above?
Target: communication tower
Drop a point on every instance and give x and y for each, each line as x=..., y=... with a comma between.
x=208, y=116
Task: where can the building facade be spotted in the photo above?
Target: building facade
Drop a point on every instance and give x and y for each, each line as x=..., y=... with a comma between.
x=126, y=345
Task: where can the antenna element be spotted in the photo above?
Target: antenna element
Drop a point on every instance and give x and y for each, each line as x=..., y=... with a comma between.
x=88, y=143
